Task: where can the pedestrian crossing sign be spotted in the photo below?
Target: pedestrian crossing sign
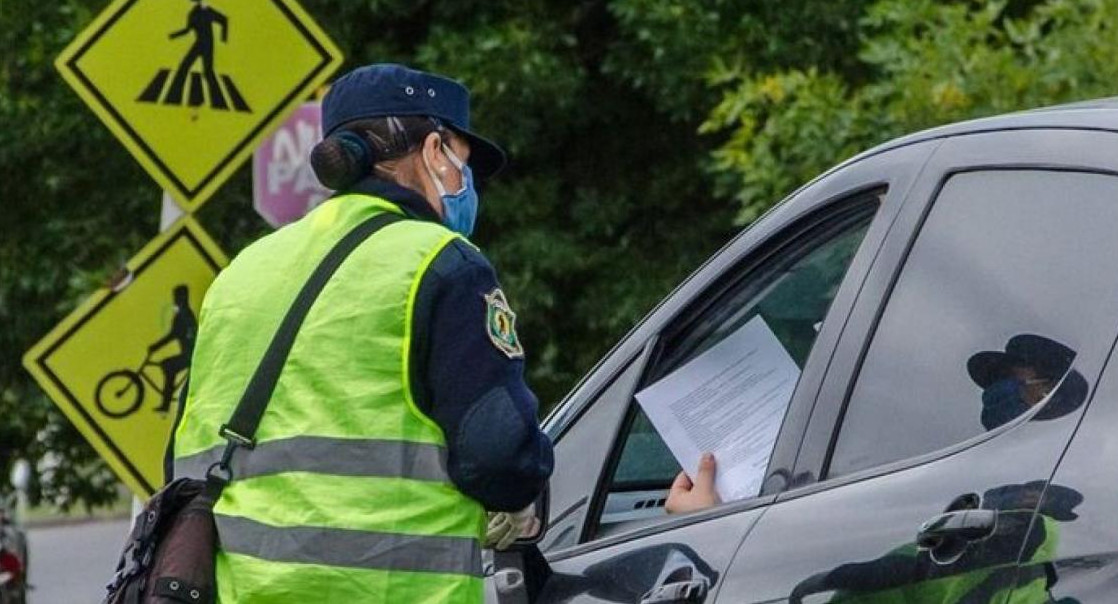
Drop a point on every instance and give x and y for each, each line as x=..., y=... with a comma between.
x=116, y=364
x=192, y=86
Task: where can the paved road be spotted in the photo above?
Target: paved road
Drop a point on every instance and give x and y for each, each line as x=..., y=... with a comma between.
x=71, y=564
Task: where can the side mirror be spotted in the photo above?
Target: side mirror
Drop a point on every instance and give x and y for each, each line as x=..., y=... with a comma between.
x=540, y=508
x=517, y=575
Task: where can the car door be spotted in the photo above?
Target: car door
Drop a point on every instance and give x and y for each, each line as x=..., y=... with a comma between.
x=799, y=270
x=963, y=371
x=1082, y=545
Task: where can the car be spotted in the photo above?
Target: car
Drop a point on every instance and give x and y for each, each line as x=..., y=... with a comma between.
x=13, y=558
x=950, y=302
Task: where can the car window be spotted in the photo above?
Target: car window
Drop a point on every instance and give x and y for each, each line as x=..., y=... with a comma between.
x=1006, y=286
x=790, y=291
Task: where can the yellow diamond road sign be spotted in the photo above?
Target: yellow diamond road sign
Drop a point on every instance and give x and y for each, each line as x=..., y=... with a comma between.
x=192, y=86
x=115, y=364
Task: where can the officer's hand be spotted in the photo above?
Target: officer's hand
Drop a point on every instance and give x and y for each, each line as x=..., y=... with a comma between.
x=686, y=495
x=506, y=527
x=497, y=534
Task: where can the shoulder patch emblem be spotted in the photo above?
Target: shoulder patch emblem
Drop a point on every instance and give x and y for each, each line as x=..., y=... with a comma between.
x=501, y=324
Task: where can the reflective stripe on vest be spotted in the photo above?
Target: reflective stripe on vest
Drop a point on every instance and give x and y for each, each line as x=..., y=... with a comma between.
x=324, y=455
x=346, y=490
x=349, y=548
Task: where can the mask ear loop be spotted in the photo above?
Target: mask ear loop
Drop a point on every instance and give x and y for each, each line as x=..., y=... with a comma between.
x=458, y=163
x=438, y=128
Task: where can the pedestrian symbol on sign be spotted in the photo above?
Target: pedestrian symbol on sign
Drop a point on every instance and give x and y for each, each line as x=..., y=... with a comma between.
x=191, y=87
x=201, y=22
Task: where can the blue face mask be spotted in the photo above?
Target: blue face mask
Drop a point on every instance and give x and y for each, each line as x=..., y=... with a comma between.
x=1002, y=401
x=459, y=209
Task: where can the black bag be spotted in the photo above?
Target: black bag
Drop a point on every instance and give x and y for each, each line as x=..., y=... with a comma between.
x=169, y=555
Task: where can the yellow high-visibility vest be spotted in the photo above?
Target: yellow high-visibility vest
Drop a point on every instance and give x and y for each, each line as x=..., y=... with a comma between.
x=346, y=496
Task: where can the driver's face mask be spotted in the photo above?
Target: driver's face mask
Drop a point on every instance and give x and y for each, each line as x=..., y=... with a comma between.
x=1003, y=401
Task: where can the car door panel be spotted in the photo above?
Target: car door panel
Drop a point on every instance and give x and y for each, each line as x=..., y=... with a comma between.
x=649, y=559
x=654, y=557
x=640, y=553
x=854, y=537
x=695, y=550
x=1083, y=562
x=863, y=521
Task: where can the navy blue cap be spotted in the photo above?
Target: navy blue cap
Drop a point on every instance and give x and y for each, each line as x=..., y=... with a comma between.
x=394, y=90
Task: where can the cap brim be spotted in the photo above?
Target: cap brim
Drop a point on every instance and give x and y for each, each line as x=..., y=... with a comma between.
x=486, y=158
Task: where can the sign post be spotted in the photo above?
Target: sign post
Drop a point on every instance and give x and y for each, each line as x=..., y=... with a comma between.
x=169, y=213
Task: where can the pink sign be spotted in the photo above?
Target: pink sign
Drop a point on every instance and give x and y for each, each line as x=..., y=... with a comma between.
x=284, y=187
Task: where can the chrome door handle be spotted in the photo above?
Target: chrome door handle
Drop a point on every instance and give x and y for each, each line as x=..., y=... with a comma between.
x=683, y=591
x=946, y=536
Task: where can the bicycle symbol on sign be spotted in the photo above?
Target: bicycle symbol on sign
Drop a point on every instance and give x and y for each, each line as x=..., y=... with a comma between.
x=122, y=392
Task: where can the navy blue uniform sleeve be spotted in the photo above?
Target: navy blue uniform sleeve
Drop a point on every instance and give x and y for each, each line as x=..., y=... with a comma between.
x=473, y=389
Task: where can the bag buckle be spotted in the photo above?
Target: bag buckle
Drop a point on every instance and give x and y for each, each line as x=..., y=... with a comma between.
x=243, y=441
x=221, y=473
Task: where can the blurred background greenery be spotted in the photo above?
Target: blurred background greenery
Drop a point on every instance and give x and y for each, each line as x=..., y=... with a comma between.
x=643, y=135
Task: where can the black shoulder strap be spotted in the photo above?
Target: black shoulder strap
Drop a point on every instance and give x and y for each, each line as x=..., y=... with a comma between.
x=241, y=429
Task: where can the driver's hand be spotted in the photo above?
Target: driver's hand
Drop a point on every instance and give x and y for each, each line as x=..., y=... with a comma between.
x=688, y=495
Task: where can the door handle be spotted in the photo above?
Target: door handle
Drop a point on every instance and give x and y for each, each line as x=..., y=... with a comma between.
x=683, y=591
x=965, y=525
x=946, y=536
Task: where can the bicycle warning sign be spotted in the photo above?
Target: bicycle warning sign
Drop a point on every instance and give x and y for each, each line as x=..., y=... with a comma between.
x=190, y=87
x=115, y=365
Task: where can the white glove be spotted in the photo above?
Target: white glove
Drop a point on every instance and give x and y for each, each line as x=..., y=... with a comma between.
x=506, y=527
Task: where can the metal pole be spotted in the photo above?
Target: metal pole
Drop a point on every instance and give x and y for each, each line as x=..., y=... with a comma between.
x=169, y=213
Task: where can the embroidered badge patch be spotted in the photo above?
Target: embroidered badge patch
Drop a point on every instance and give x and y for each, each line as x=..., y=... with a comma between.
x=501, y=324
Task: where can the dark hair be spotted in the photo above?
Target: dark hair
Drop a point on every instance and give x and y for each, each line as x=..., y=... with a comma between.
x=349, y=154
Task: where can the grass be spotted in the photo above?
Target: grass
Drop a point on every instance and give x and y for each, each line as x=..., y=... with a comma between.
x=48, y=515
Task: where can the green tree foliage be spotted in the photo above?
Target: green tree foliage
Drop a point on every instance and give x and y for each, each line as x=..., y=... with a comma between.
x=923, y=63
x=612, y=195
x=602, y=210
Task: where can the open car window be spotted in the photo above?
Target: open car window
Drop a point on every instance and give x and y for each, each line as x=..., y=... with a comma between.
x=789, y=291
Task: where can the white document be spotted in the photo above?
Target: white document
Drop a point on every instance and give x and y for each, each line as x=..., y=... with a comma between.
x=729, y=401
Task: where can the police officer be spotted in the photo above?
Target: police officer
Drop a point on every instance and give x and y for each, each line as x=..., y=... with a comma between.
x=401, y=415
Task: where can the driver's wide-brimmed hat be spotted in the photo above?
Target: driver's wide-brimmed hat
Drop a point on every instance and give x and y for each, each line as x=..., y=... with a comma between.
x=1049, y=358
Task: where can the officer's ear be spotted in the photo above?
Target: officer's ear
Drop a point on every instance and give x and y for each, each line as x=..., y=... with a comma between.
x=432, y=150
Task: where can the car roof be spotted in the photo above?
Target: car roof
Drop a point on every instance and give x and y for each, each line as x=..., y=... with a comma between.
x=1096, y=114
